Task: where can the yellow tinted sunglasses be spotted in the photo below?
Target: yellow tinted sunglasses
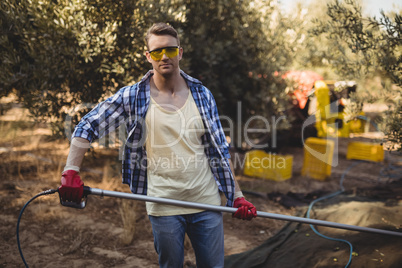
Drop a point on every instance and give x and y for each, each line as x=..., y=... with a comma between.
x=171, y=52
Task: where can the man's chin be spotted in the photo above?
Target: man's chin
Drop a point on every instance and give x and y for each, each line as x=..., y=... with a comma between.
x=166, y=71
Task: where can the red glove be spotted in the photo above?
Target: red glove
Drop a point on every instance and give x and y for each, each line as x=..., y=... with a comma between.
x=245, y=211
x=72, y=187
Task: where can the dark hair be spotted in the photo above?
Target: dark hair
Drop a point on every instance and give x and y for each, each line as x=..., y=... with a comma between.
x=161, y=28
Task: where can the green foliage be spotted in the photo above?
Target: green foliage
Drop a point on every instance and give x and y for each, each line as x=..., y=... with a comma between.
x=228, y=49
x=364, y=47
x=393, y=123
x=57, y=54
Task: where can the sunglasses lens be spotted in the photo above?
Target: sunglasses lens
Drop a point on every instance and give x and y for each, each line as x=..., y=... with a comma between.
x=171, y=52
x=157, y=54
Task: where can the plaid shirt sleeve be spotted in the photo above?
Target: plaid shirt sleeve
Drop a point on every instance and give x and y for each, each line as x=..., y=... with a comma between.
x=103, y=119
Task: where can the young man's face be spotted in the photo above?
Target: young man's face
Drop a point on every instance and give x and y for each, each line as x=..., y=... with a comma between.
x=165, y=65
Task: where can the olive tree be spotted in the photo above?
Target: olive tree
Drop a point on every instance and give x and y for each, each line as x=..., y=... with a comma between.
x=366, y=46
x=235, y=50
x=57, y=54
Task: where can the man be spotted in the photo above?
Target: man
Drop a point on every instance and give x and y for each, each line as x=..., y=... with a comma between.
x=175, y=149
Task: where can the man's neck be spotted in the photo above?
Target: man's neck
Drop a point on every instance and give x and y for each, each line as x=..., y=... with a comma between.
x=169, y=83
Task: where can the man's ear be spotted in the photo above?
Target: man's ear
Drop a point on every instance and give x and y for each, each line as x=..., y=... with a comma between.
x=180, y=53
x=148, y=56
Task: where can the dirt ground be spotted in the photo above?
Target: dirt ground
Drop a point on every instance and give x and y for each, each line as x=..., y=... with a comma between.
x=112, y=232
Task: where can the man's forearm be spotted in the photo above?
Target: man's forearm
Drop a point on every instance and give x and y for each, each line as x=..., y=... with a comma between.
x=238, y=192
x=78, y=148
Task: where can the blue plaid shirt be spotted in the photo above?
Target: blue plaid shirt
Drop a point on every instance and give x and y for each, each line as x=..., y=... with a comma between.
x=130, y=105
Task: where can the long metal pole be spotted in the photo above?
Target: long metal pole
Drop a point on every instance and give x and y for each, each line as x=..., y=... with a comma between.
x=173, y=202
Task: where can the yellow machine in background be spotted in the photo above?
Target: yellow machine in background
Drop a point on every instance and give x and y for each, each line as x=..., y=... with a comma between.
x=329, y=109
x=318, y=115
x=312, y=95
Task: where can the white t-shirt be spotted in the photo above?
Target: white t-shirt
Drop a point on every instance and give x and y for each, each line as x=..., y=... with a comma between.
x=177, y=165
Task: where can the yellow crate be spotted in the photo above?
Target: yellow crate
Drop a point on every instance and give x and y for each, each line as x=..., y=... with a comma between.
x=318, y=155
x=268, y=166
x=365, y=151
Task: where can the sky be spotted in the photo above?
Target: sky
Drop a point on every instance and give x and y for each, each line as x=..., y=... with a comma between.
x=371, y=7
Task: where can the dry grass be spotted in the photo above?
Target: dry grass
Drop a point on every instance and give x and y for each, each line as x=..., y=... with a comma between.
x=109, y=180
x=32, y=162
x=127, y=209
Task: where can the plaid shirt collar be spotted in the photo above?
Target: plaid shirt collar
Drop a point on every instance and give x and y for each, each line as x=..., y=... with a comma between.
x=190, y=80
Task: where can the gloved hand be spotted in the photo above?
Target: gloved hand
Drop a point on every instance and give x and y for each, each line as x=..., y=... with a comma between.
x=245, y=211
x=72, y=187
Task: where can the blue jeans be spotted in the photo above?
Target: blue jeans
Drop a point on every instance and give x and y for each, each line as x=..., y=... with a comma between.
x=205, y=230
